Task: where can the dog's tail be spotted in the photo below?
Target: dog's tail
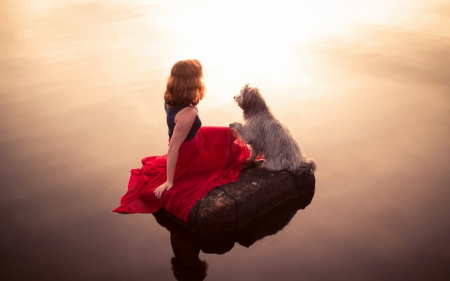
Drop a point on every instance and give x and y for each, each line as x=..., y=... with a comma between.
x=311, y=163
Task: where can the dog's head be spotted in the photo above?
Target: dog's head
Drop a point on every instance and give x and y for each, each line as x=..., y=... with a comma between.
x=250, y=100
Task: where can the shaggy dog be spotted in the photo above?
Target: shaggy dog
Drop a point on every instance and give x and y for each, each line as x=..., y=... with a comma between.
x=267, y=137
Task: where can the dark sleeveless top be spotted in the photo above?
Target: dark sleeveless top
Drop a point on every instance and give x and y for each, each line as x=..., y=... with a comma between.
x=172, y=111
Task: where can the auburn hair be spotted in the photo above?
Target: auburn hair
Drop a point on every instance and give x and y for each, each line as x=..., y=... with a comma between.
x=185, y=85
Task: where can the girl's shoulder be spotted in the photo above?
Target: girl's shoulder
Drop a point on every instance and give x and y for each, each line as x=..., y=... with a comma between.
x=188, y=110
x=178, y=108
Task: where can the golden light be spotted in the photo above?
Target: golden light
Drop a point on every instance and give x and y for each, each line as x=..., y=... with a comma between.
x=259, y=42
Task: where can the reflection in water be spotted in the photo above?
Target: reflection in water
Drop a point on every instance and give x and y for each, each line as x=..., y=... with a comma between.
x=186, y=245
x=186, y=265
x=362, y=84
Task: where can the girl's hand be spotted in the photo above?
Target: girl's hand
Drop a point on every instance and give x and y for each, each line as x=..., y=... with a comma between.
x=163, y=187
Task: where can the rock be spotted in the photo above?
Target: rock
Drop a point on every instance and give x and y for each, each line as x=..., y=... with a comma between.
x=216, y=207
x=270, y=223
x=236, y=204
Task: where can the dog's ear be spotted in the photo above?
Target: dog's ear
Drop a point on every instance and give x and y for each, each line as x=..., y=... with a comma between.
x=244, y=89
x=252, y=99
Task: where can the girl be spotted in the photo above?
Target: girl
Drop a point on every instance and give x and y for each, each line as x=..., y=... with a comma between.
x=198, y=158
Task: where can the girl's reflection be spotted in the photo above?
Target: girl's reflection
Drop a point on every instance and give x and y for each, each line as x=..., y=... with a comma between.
x=186, y=246
x=186, y=265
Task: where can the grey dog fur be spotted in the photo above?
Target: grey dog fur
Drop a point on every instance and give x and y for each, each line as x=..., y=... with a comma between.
x=267, y=136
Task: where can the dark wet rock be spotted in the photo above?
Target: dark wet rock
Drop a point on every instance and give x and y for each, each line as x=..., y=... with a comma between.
x=269, y=223
x=216, y=207
x=258, y=191
x=237, y=204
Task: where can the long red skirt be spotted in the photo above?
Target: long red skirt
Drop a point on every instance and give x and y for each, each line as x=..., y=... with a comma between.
x=212, y=158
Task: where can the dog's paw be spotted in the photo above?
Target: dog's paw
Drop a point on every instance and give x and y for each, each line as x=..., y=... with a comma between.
x=257, y=162
x=235, y=126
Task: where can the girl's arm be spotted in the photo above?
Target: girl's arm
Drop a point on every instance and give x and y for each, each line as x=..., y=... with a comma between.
x=183, y=123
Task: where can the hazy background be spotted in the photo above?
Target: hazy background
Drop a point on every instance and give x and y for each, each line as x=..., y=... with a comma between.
x=363, y=85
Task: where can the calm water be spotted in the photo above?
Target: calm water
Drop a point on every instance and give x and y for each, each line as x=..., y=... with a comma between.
x=363, y=85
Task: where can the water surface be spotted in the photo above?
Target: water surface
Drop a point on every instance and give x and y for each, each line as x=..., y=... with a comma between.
x=363, y=86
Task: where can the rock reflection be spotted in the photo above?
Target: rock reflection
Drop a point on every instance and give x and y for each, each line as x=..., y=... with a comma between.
x=186, y=246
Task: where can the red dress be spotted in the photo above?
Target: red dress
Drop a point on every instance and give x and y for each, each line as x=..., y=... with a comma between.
x=212, y=158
